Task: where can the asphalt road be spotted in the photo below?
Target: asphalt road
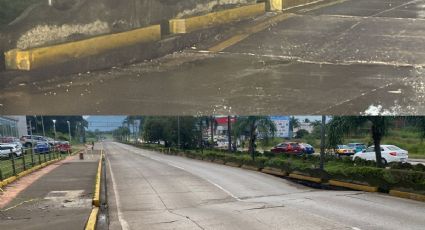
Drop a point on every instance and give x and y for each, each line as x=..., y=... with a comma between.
x=345, y=57
x=148, y=190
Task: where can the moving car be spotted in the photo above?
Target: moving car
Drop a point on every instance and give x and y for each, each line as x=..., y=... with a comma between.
x=7, y=149
x=288, y=148
x=306, y=148
x=358, y=147
x=389, y=153
x=344, y=150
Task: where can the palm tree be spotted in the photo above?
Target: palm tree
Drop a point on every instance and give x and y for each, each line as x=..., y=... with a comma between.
x=293, y=124
x=254, y=126
x=343, y=125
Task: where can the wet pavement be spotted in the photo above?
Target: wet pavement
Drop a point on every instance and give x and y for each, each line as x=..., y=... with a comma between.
x=149, y=190
x=350, y=57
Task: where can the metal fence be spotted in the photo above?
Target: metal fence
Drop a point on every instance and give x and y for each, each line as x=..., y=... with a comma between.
x=29, y=158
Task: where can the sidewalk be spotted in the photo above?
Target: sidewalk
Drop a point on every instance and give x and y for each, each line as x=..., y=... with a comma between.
x=56, y=197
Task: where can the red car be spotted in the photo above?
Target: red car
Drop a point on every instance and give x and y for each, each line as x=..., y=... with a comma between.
x=64, y=147
x=288, y=148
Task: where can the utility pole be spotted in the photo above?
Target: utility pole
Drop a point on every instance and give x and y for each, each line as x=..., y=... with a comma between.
x=322, y=142
x=54, y=129
x=69, y=131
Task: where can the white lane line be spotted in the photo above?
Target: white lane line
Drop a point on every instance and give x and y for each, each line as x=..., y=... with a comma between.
x=355, y=228
x=224, y=190
x=123, y=222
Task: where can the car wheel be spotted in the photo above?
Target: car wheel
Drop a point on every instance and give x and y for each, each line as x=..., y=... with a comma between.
x=383, y=161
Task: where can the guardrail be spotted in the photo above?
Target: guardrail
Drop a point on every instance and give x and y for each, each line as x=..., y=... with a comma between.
x=30, y=158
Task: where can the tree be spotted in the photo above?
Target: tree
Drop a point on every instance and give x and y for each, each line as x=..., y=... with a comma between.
x=301, y=134
x=293, y=124
x=254, y=127
x=343, y=125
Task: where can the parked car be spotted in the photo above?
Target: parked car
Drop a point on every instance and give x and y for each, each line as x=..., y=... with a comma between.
x=344, y=150
x=306, y=148
x=7, y=149
x=358, y=147
x=64, y=147
x=12, y=140
x=288, y=148
x=42, y=147
x=30, y=140
x=389, y=153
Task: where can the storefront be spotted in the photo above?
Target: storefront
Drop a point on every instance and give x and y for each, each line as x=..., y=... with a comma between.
x=12, y=126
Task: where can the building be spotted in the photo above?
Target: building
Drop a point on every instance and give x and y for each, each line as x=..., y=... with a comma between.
x=13, y=126
x=282, y=126
x=306, y=126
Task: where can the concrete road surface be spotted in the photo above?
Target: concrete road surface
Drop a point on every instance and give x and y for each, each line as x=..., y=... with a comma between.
x=148, y=190
x=338, y=57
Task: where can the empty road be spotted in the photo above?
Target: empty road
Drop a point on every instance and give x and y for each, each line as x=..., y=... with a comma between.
x=148, y=190
x=338, y=57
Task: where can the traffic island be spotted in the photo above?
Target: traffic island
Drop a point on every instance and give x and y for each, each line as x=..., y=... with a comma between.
x=274, y=171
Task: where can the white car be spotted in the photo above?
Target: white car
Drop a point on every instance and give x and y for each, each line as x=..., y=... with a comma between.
x=7, y=149
x=390, y=153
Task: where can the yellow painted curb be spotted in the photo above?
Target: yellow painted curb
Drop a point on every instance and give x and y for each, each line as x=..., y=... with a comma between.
x=7, y=181
x=187, y=25
x=233, y=164
x=273, y=171
x=40, y=57
x=365, y=188
x=408, y=195
x=278, y=5
x=307, y=178
x=92, y=221
x=96, y=196
x=253, y=168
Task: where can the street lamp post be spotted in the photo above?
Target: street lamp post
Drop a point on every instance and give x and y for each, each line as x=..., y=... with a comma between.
x=69, y=131
x=54, y=128
x=30, y=128
x=322, y=142
x=42, y=126
x=178, y=132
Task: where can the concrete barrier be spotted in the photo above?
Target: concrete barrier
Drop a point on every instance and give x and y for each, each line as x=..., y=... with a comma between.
x=278, y=5
x=249, y=167
x=306, y=178
x=233, y=164
x=273, y=171
x=407, y=195
x=45, y=56
x=365, y=188
x=187, y=25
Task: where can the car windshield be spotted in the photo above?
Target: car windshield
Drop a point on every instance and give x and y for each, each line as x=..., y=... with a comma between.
x=392, y=147
x=342, y=147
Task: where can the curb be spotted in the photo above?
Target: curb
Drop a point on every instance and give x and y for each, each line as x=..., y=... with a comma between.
x=45, y=56
x=96, y=196
x=12, y=179
x=92, y=221
x=307, y=178
x=365, y=188
x=279, y=5
x=249, y=167
x=187, y=25
x=273, y=171
x=233, y=164
x=407, y=195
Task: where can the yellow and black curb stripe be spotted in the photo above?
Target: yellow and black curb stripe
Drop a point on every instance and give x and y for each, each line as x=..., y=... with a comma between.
x=249, y=167
x=273, y=171
x=233, y=164
x=92, y=221
x=12, y=179
x=187, y=25
x=359, y=187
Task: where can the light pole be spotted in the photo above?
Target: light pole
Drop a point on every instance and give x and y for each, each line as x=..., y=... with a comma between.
x=42, y=126
x=69, y=131
x=322, y=142
x=178, y=132
x=30, y=128
x=54, y=128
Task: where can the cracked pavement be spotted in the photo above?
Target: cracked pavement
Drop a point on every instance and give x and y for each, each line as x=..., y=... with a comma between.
x=344, y=57
x=149, y=190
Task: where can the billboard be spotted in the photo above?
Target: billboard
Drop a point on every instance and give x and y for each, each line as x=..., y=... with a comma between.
x=282, y=126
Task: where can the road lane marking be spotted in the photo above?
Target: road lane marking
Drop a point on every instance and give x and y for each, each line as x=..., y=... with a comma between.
x=224, y=190
x=123, y=222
